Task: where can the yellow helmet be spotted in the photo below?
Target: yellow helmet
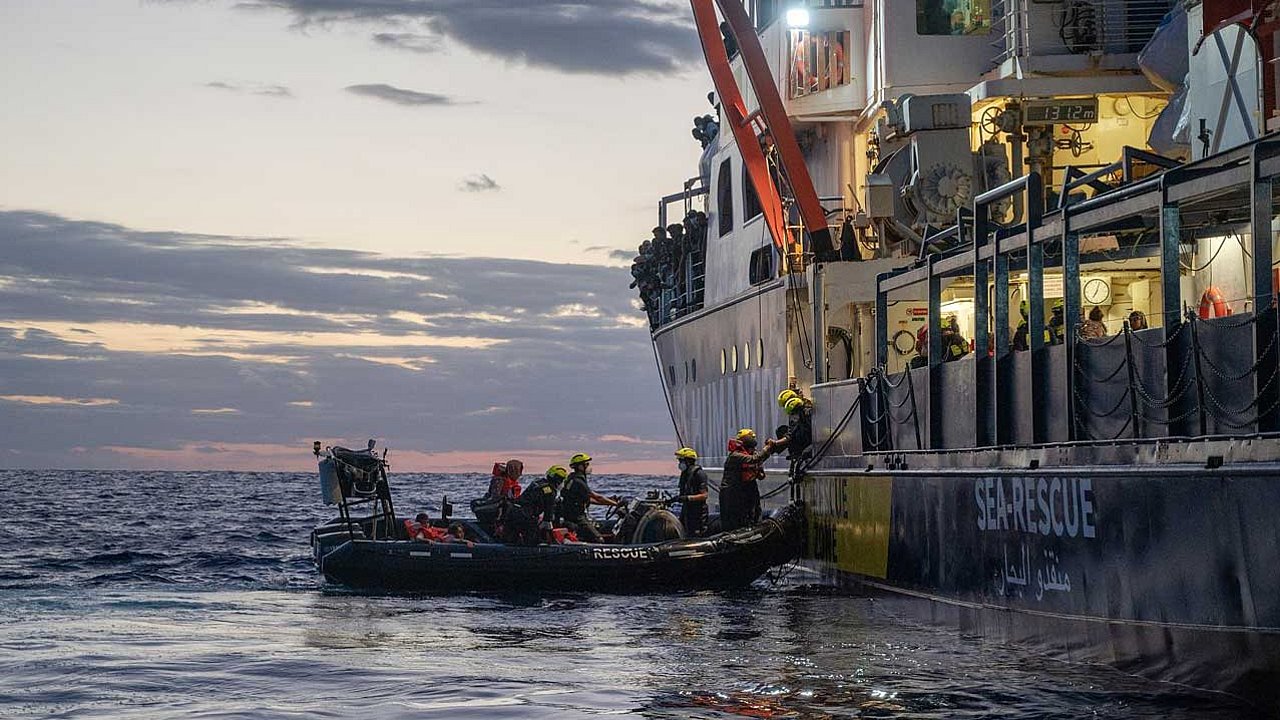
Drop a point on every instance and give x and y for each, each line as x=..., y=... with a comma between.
x=557, y=472
x=687, y=454
x=785, y=396
x=793, y=405
x=746, y=434
x=579, y=459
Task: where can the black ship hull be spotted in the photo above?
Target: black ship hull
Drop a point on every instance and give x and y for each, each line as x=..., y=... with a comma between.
x=724, y=561
x=1167, y=570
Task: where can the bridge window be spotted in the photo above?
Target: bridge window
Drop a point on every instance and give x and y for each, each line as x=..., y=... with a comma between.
x=953, y=17
x=724, y=197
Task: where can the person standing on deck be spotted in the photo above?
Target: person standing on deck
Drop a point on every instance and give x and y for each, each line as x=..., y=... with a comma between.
x=578, y=496
x=693, y=493
x=740, y=485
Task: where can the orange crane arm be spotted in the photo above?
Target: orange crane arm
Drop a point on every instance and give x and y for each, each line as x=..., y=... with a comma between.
x=772, y=116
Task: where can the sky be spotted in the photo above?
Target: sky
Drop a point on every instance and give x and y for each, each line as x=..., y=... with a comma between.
x=231, y=227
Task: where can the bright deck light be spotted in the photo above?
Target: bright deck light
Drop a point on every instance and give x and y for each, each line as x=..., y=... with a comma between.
x=798, y=17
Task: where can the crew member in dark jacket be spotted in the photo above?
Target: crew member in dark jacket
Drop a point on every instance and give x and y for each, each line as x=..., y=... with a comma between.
x=739, y=487
x=577, y=496
x=529, y=516
x=693, y=493
x=799, y=430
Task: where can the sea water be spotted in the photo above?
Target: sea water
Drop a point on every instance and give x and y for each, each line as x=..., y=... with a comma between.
x=193, y=595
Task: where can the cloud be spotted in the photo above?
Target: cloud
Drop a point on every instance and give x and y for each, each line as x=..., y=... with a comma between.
x=413, y=42
x=272, y=91
x=399, y=96
x=479, y=183
x=57, y=400
x=627, y=255
x=140, y=341
x=598, y=37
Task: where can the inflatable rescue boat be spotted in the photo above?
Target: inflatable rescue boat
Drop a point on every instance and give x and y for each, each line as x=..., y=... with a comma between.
x=375, y=552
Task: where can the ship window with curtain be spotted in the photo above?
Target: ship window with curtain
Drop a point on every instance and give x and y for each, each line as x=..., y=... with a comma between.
x=953, y=17
x=751, y=208
x=724, y=197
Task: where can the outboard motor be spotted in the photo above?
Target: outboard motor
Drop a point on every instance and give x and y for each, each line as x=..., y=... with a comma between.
x=657, y=525
x=647, y=520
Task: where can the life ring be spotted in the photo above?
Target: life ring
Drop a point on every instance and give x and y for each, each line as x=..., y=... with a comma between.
x=1212, y=299
x=904, y=349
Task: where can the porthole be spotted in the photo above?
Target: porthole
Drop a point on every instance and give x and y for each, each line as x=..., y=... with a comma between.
x=746, y=356
x=723, y=364
x=733, y=357
x=671, y=373
x=760, y=355
x=693, y=367
x=686, y=371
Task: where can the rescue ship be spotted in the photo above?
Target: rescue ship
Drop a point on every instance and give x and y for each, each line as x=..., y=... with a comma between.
x=1020, y=255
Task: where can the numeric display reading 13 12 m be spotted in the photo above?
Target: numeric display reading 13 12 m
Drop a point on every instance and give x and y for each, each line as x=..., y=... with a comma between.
x=1048, y=113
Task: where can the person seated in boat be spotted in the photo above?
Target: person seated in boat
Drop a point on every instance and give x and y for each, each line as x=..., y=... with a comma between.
x=529, y=516
x=420, y=528
x=457, y=533
x=740, y=483
x=578, y=496
x=693, y=493
x=505, y=483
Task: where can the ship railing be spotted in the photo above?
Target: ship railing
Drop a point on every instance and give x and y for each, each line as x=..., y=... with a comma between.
x=685, y=294
x=1081, y=27
x=1133, y=165
x=1212, y=372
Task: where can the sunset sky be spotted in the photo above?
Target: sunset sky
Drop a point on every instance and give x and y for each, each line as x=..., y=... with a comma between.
x=228, y=228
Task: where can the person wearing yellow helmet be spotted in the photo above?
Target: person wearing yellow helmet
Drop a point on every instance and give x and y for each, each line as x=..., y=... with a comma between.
x=578, y=496
x=786, y=395
x=797, y=435
x=1057, y=322
x=528, y=519
x=739, y=485
x=693, y=493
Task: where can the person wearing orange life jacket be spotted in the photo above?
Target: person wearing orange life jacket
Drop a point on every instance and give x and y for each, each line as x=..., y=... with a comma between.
x=505, y=483
x=529, y=516
x=420, y=528
x=739, y=485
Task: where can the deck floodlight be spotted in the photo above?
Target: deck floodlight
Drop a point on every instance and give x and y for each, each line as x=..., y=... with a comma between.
x=798, y=17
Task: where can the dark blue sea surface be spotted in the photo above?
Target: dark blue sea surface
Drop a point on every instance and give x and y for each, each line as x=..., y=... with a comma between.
x=193, y=595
